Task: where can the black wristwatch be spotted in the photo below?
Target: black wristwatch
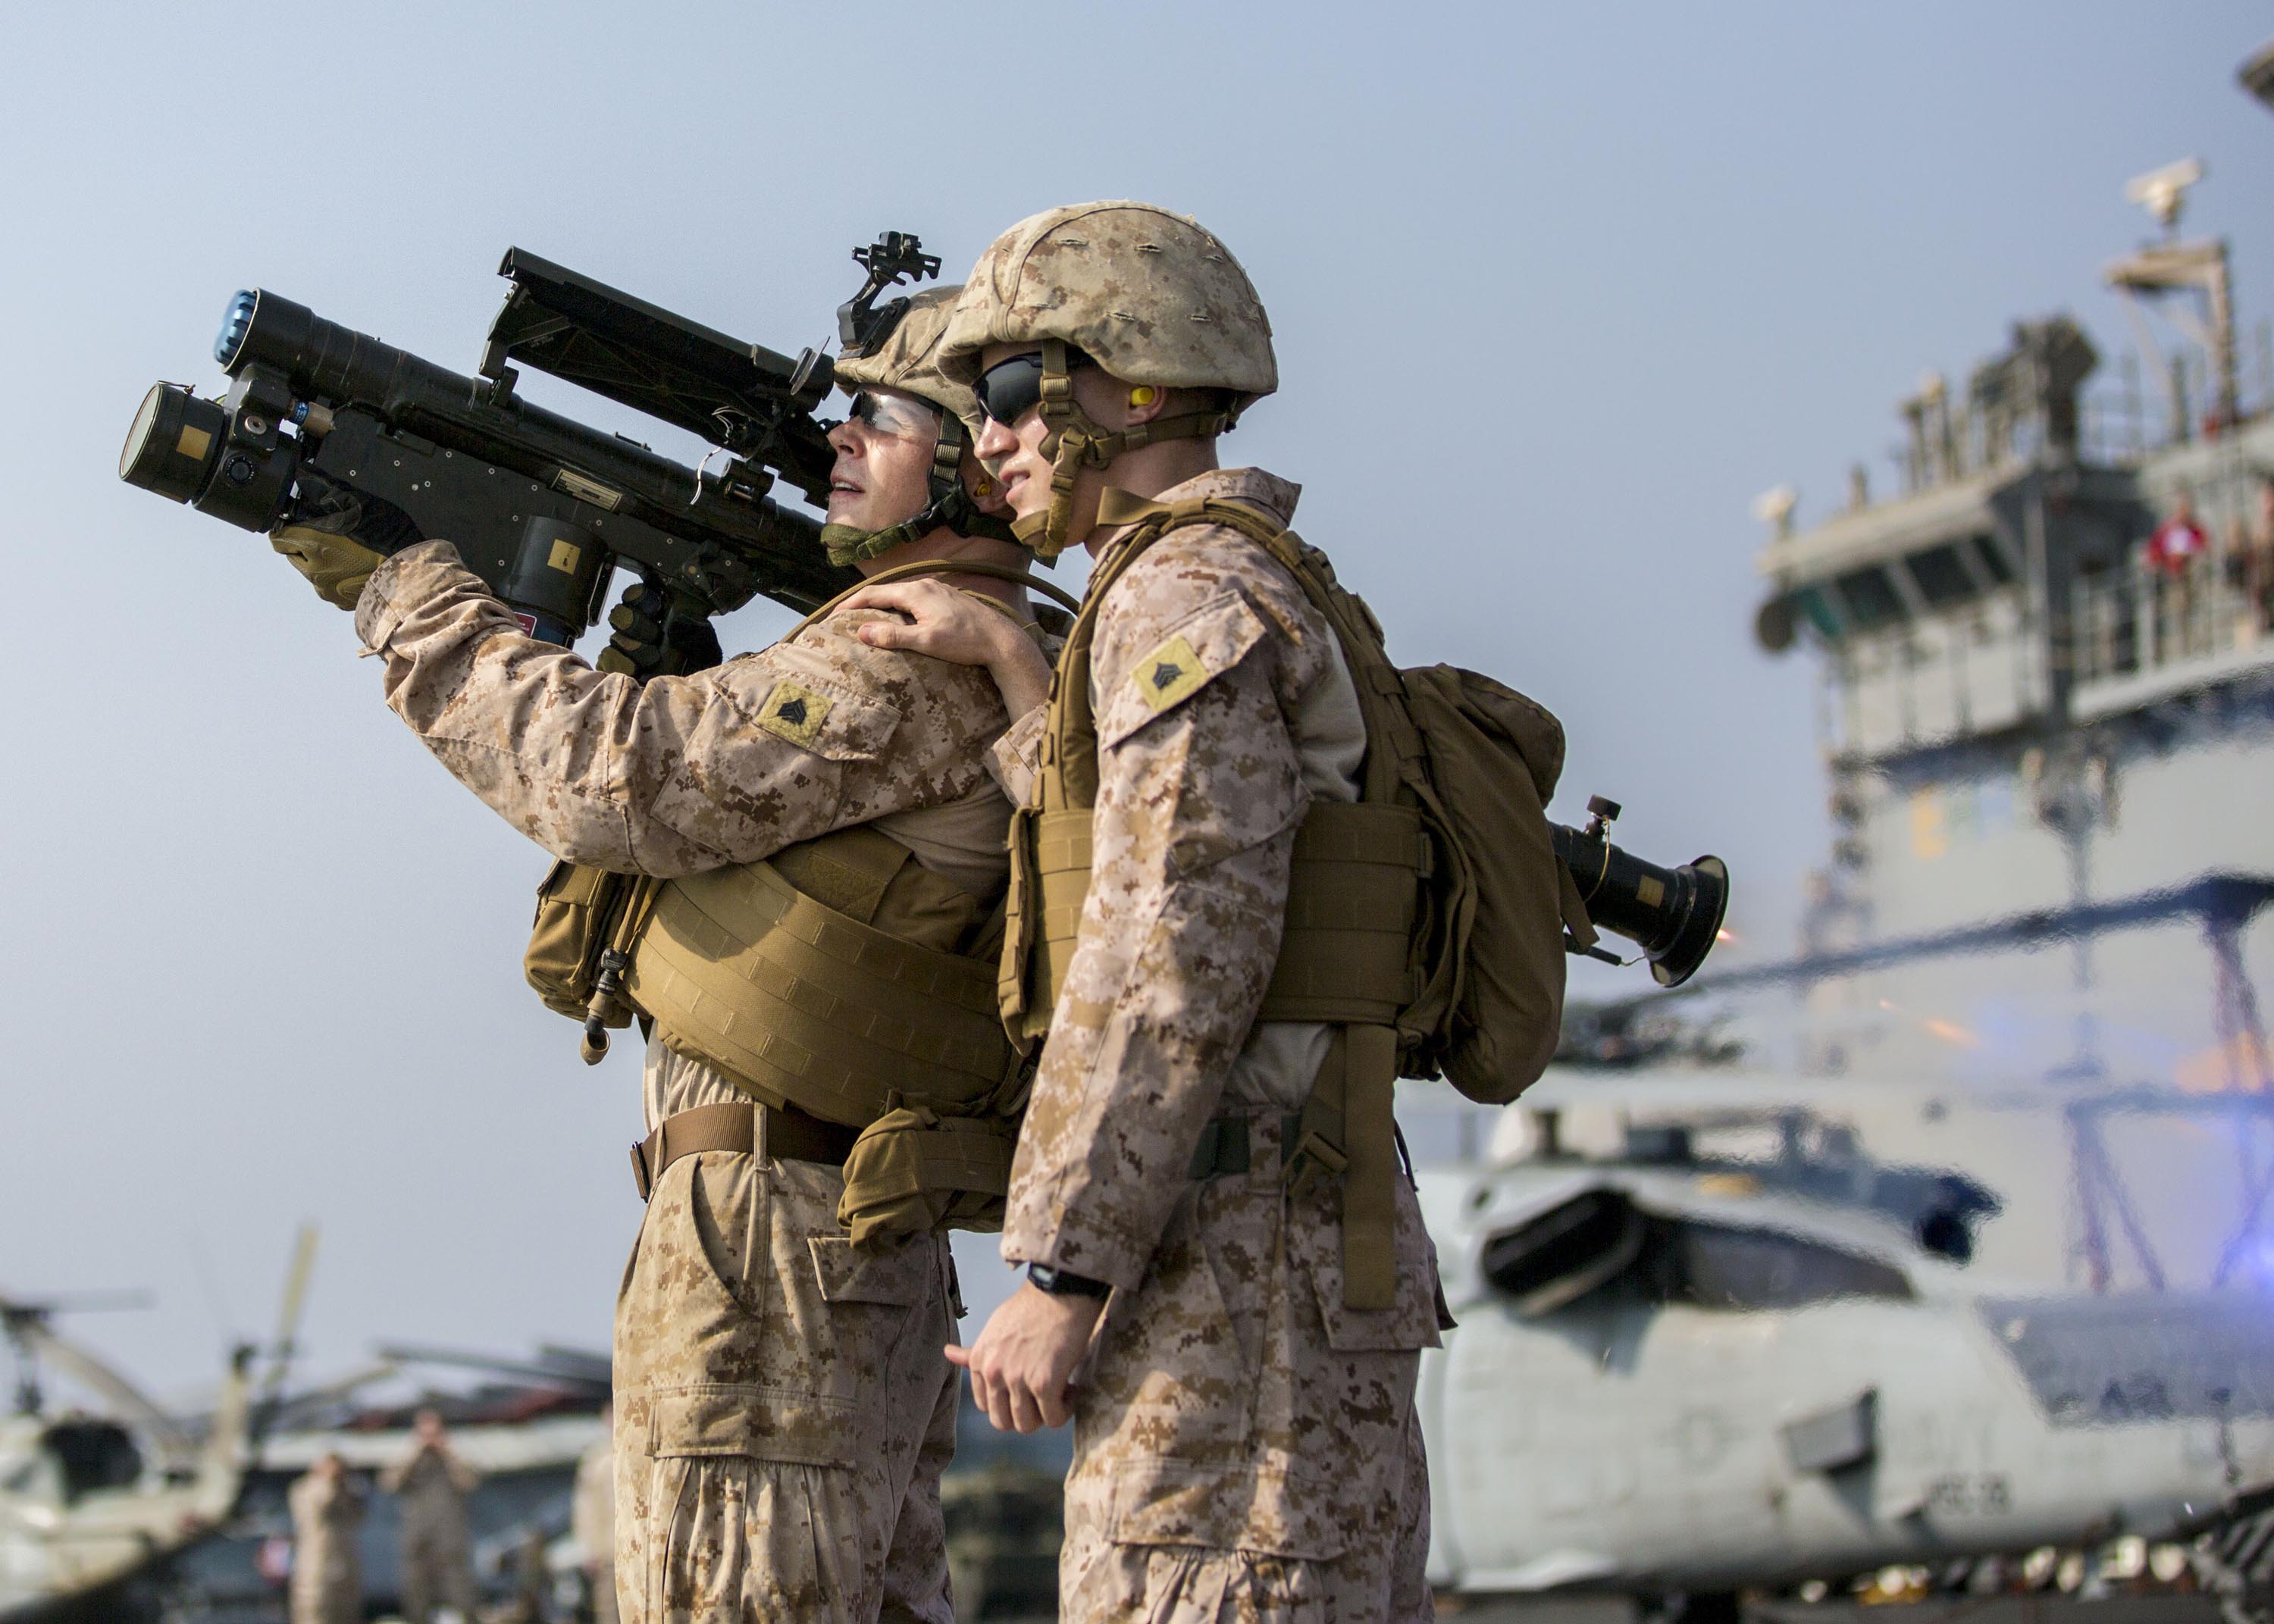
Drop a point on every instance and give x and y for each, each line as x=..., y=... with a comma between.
x=1064, y=1282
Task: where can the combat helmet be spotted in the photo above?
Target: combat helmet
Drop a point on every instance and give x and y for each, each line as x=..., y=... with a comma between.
x=901, y=353
x=1148, y=294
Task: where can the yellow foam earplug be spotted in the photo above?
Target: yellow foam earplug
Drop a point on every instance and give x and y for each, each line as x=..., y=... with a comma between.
x=1141, y=395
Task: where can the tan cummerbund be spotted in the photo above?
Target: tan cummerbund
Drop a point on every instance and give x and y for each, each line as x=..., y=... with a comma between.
x=1345, y=956
x=809, y=1007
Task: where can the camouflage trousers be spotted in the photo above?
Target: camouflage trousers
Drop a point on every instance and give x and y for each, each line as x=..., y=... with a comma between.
x=783, y=1409
x=1247, y=1448
x=320, y=1600
x=1101, y=1578
x=436, y=1573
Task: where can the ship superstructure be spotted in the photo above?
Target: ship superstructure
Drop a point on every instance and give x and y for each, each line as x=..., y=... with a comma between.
x=2018, y=705
x=2045, y=680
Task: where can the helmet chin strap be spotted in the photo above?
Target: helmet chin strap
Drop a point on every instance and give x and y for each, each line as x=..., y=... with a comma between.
x=951, y=506
x=1076, y=440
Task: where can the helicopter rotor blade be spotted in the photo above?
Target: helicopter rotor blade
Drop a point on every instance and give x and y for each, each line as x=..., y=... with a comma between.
x=281, y=1350
x=27, y=1325
x=76, y=1303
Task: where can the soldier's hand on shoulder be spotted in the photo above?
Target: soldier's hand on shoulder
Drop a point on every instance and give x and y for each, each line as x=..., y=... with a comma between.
x=961, y=628
x=650, y=641
x=933, y=618
x=337, y=536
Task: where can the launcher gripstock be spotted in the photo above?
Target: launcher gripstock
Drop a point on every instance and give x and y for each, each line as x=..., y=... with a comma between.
x=1673, y=914
x=539, y=506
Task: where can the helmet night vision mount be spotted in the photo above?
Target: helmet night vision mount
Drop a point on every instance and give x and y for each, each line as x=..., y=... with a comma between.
x=893, y=259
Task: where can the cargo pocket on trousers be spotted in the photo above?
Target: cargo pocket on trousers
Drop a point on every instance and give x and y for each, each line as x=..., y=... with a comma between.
x=1354, y=1383
x=754, y=1421
x=867, y=1316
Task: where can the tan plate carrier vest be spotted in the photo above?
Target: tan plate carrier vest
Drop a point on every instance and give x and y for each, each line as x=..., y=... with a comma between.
x=839, y=977
x=1351, y=954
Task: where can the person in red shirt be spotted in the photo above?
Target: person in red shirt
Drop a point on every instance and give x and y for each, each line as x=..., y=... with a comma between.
x=2177, y=541
x=2174, y=551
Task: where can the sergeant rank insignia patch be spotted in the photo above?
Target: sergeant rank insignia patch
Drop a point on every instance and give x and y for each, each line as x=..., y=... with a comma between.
x=794, y=713
x=1169, y=673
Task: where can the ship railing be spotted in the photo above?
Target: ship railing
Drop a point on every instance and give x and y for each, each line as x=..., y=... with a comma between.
x=2139, y=619
x=2138, y=412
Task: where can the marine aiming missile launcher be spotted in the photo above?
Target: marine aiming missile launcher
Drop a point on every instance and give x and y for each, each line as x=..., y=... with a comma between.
x=544, y=509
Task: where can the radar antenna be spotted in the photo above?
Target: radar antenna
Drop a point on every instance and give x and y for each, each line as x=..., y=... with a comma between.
x=2173, y=266
x=2164, y=192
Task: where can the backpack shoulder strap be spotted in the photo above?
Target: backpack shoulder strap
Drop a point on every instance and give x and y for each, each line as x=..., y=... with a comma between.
x=1399, y=769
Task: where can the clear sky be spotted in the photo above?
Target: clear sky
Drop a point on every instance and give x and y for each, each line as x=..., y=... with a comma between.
x=1558, y=290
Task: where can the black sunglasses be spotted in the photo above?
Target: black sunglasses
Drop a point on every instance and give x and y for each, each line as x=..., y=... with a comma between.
x=890, y=416
x=1010, y=389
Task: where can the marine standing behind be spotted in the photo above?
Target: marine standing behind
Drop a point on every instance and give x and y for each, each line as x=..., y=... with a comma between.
x=328, y=1509
x=431, y=1485
x=1245, y=1439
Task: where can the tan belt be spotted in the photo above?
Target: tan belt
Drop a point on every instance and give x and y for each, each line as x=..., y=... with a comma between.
x=738, y=1127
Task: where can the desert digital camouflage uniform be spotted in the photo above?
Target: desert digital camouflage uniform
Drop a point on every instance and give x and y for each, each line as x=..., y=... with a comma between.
x=593, y=1520
x=326, y=1586
x=782, y=1409
x=431, y=1487
x=1245, y=1446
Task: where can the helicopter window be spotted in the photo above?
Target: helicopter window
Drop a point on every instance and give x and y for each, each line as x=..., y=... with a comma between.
x=1708, y=1265
x=94, y=1456
x=1870, y=597
x=1941, y=576
x=1566, y=1252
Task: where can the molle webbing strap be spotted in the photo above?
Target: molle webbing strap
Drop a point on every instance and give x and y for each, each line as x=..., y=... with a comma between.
x=1368, y=1059
x=1351, y=902
x=805, y=1005
x=1348, y=1131
x=1049, y=841
x=1396, y=767
x=843, y=977
x=849, y=870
